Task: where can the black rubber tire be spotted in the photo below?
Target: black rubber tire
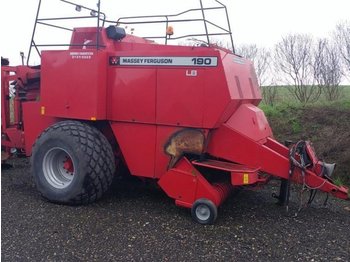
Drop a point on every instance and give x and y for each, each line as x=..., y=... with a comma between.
x=92, y=157
x=211, y=208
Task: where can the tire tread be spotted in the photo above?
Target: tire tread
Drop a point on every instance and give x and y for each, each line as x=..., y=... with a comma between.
x=98, y=154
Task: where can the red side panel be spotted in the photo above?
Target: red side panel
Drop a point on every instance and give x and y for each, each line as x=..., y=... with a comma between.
x=73, y=84
x=132, y=94
x=34, y=124
x=250, y=121
x=181, y=183
x=241, y=79
x=180, y=97
x=137, y=143
x=245, y=138
x=241, y=82
x=228, y=144
x=185, y=184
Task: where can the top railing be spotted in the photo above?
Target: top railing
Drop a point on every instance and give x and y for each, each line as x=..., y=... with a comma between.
x=174, y=18
x=52, y=22
x=165, y=20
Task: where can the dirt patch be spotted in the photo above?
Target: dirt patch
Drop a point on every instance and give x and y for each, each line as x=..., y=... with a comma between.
x=328, y=128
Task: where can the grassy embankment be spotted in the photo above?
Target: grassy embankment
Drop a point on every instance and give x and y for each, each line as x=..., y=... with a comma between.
x=325, y=123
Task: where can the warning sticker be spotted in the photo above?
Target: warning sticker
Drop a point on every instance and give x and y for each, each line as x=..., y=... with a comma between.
x=201, y=61
x=245, y=179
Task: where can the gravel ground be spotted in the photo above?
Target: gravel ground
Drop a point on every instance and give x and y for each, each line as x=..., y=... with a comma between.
x=134, y=222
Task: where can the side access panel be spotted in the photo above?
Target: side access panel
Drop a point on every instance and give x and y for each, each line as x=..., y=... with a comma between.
x=131, y=94
x=137, y=143
x=34, y=124
x=73, y=84
x=180, y=97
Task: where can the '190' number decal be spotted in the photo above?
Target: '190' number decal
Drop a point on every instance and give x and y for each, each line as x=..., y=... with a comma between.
x=202, y=61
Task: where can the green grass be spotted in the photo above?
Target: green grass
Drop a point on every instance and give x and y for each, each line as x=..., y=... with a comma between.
x=338, y=181
x=284, y=98
x=286, y=105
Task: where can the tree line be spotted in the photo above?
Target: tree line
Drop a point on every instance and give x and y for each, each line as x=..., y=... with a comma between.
x=308, y=67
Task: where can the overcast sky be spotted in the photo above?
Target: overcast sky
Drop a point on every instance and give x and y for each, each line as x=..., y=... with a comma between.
x=261, y=22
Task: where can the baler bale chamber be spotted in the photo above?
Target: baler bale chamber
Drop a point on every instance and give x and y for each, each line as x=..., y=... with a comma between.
x=184, y=116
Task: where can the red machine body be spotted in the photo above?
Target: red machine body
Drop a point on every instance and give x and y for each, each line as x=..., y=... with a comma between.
x=146, y=104
x=179, y=114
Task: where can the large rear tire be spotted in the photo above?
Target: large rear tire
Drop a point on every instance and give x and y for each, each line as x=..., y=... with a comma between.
x=72, y=163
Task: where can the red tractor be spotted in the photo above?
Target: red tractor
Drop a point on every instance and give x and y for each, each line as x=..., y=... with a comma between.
x=184, y=116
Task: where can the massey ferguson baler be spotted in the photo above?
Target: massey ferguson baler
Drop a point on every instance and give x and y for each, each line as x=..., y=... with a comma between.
x=185, y=116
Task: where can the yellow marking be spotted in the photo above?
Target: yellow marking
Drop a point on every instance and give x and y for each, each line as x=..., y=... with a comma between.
x=194, y=173
x=93, y=118
x=42, y=110
x=245, y=179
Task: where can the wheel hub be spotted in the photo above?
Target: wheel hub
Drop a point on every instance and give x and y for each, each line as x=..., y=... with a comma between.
x=203, y=212
x=68, y=165
x=58, y=168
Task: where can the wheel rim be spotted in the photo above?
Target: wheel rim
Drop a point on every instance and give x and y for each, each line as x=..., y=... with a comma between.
x=203, y=212
x=58, y=168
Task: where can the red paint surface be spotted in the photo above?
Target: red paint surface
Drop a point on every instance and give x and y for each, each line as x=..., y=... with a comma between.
x=146, y=105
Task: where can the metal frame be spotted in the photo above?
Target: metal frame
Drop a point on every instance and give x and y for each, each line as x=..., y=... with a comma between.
x=173, y=19
x=132, y=20
x=49, y=22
